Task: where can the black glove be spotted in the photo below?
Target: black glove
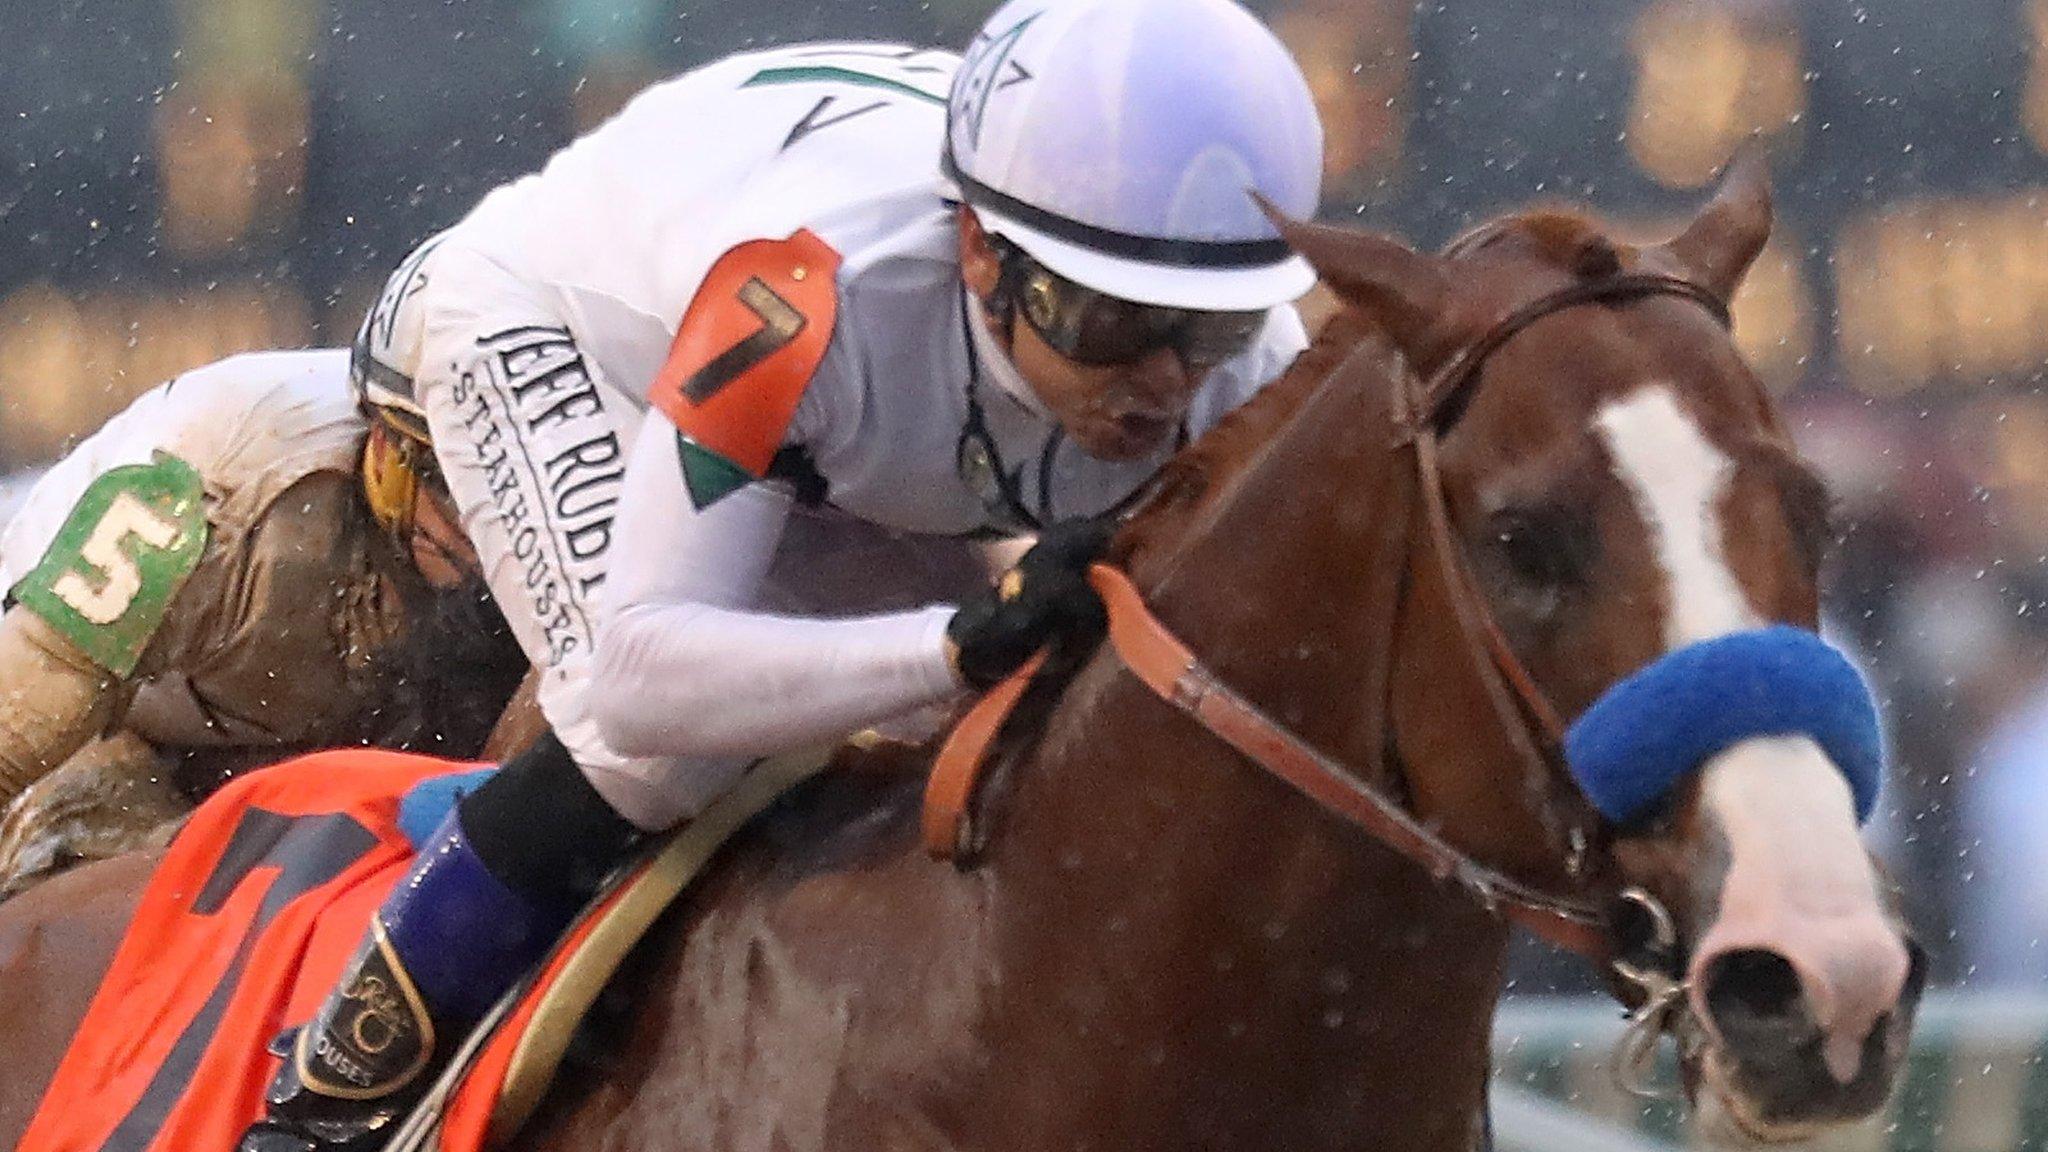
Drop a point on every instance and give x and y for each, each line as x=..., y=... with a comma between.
x=1044, y=598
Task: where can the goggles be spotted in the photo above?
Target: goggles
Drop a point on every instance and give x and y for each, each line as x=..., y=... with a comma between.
x=394, y=466
x=1089, y=327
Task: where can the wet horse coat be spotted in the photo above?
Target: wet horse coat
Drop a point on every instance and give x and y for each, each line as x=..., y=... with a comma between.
x=1164, y=948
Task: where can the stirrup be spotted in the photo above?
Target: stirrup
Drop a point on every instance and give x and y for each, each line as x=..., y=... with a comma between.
x=298, y=1119
x=267, y=1137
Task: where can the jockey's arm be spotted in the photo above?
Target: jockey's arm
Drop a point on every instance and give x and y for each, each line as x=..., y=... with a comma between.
x=685, y=665
x=53, y=699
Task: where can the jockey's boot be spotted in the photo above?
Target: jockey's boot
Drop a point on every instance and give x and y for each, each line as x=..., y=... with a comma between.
x=446, y=944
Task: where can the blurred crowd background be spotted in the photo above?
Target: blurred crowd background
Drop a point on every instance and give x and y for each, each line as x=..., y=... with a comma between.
x=189, y=178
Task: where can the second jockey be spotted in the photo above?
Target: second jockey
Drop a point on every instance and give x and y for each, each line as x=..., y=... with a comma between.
x=729, y=394
x=245, y=520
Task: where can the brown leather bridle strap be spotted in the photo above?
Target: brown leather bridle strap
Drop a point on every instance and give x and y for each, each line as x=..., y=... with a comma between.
x=1436, y=515
x=1450, y=382
x=1170, y=670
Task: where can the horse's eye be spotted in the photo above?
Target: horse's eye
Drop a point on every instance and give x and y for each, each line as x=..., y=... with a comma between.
x=1547, y=549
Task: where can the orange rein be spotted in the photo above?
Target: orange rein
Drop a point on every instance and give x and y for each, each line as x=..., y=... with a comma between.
x=1170, y=670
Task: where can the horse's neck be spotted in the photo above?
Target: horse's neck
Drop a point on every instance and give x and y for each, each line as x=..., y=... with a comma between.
x=1280, y=972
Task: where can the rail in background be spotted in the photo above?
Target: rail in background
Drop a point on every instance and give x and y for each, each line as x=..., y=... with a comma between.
x=1976, y=1081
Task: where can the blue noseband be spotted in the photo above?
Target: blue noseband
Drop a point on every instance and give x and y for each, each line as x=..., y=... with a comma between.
x=1653, y=729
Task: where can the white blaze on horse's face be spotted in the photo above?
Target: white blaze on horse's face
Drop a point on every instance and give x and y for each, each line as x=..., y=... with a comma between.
x=1676, y=476
x=1799, y=884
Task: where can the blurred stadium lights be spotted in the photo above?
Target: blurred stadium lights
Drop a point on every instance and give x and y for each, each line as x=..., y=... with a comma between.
x=1945, y=291
x=1709, y=77
x=1357, y=55
x=231, y=161
x=1775, y=319
x=294, y=150
x=68, y=363
x=246, y=37
x=232, y=130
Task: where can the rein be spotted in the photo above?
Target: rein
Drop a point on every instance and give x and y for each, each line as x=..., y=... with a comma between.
x=1166, y=666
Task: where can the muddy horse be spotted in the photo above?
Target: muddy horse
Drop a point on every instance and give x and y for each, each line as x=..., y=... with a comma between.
x=1508, y=477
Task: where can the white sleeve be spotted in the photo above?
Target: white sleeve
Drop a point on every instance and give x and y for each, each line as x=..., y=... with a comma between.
x=685, y=668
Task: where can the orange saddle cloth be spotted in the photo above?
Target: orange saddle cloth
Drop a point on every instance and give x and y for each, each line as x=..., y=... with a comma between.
x=257, y=905
x=242, y=930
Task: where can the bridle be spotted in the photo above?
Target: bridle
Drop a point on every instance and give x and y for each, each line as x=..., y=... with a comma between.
x=1434, y=409
x=1427, y=411
x=1430, y=411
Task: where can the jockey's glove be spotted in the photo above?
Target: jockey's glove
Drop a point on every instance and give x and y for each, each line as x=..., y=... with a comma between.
x=1044, y=598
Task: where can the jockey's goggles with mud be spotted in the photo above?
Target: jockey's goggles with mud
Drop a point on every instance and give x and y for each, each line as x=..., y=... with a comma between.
x=395, y=467
x=1098, y=330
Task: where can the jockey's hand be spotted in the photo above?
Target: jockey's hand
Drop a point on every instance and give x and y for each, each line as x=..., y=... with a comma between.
x=1046, y=596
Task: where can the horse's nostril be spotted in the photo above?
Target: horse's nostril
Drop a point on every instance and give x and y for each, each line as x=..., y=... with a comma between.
x=1752, y=984
x=1916, y=974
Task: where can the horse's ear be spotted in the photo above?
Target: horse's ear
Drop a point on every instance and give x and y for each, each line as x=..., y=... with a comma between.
x=1721, y=243
x=1404, y=290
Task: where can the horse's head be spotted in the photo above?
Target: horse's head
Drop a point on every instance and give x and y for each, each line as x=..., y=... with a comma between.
x=1623, y=521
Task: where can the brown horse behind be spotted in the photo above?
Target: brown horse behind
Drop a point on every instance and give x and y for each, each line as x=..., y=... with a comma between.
x=1165, y=948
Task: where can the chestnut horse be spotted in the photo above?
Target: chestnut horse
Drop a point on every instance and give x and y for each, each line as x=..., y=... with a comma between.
x=1506, y=478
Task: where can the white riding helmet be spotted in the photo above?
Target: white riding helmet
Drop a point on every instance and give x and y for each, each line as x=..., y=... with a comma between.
x=1118, y=143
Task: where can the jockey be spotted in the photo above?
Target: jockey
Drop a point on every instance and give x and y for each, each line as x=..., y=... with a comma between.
x=766, y=357
x=216, y=531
